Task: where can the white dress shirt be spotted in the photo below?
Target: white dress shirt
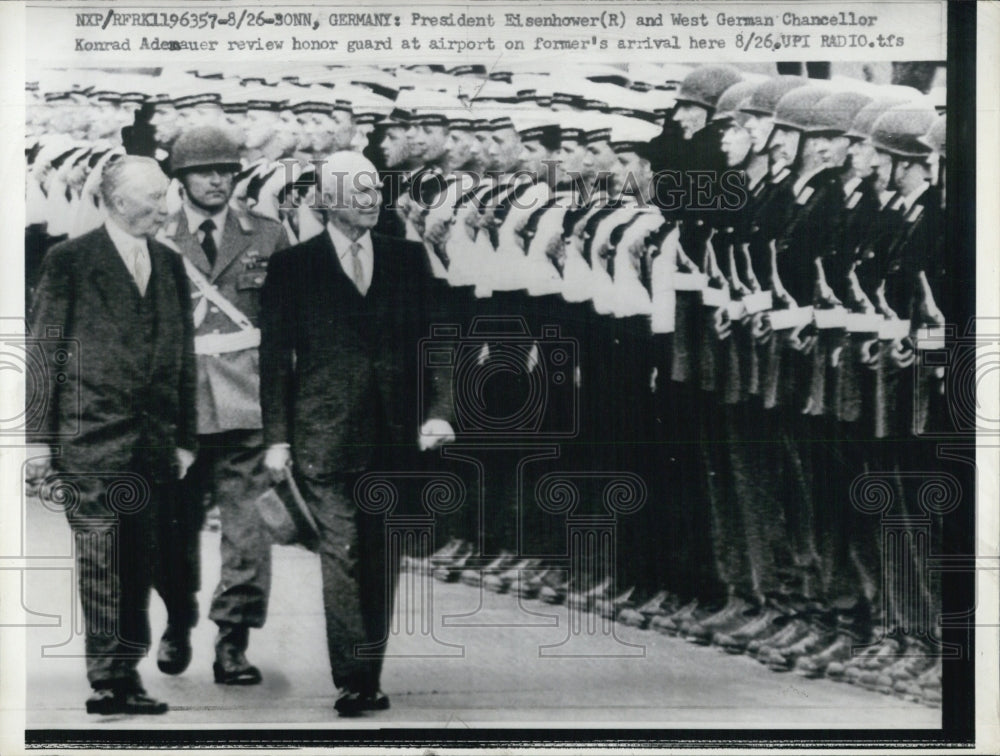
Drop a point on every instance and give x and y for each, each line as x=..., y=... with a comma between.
x=134, y=252
x=195, y=219
x=342, y=245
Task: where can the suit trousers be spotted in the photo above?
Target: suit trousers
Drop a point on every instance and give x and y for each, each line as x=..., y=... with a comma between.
x=113, y=542
x=358, y=582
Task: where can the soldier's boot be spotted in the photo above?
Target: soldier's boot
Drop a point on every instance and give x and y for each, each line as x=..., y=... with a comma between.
x=785, y=658
x=473, y=575
x=670, y=624
x=912, y=688
x=447, y=552
x=554, y=587
x=528, y=585
x=866, y=668
x=609, y=606
x=661, y=604
x=501, y=582
x=790, y=634
x=837, y=652
x=231, y=666
x=919, y=658
x=586, y=599
x=450, y=571
x=731, y=616
x=762, y=625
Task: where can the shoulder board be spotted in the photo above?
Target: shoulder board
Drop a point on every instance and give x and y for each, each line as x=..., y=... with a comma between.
x=804, y=195
x=785, y=173
x=853, y=200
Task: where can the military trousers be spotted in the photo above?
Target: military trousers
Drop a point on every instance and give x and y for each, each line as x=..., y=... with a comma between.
x=228, y=472
x=358, y=582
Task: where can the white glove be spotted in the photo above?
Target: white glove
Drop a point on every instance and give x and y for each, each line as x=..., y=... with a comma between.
x=434, y=433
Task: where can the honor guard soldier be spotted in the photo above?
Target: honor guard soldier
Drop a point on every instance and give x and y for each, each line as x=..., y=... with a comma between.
x=225, y=254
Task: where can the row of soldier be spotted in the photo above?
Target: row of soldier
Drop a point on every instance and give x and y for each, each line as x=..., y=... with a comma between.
x=743, y=265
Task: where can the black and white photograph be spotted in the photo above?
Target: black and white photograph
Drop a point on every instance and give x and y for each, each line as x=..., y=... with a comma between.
x=500, y=376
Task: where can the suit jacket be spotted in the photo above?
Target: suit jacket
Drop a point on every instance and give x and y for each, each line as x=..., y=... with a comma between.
x=341, y=374
x=114, y=396
x=229, y=384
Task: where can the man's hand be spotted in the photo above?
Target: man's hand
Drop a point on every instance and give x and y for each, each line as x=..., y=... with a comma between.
x=760, y=328
x=721, y=324
x=434, y=433
x=901, y=353
x=185, y=458
x=276, y=461
x=39, y=463
x=438, y=230
x=803, y=339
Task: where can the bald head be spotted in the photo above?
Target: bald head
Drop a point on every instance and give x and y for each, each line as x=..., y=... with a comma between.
x=349, y=190
x=134, y=191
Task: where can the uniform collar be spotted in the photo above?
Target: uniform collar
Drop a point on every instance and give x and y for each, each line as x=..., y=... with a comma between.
x=911, y=198
x=196, y=218
x=851, y=185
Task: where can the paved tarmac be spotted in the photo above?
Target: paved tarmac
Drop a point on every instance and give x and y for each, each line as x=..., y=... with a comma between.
x=482, y=659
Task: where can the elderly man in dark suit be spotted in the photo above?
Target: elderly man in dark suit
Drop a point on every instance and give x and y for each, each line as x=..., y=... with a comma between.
x=341, y=316
x=123, y=417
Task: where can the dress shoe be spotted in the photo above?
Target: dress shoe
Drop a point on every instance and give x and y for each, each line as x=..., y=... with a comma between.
x=762, y=624
x=231, y=666
x=815, y=666
x=118, y=701
x=174, y=653
x=731, y=616
x=351, y=703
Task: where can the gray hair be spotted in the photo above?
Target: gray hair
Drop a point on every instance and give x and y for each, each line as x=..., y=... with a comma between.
x=116, y=171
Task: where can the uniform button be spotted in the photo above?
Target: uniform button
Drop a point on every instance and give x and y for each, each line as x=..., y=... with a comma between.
x=213, y=308
x=259, y=280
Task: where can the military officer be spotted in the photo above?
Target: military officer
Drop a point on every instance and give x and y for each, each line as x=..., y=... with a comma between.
x=225, y=253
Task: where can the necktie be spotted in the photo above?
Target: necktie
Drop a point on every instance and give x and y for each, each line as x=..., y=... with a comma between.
x=141, y=268
x=359, y=270
x=208, y=242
